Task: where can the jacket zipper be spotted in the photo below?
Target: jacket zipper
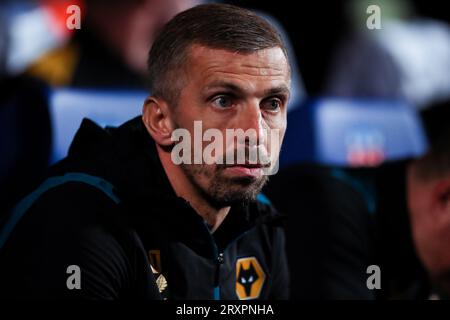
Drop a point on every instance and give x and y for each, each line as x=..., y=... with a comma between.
x=219, y=260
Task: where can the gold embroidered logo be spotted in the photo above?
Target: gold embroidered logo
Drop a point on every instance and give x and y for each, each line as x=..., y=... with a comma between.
x=250, y=278
x=154, y=257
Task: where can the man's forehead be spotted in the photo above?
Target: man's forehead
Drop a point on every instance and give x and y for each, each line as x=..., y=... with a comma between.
x=264, y=62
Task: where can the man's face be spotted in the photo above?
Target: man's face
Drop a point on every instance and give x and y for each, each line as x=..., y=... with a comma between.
x=429, y=209
x=226, y=90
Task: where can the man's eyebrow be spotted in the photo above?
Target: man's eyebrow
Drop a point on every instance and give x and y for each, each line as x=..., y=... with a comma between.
x=282, y=89
x=220, y=84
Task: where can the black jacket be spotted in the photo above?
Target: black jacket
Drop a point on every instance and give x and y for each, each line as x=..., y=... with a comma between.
x=112, y=242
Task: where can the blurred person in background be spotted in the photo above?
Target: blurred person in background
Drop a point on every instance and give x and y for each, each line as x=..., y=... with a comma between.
x=407, y=58
x=428, y=184
x=110, y=49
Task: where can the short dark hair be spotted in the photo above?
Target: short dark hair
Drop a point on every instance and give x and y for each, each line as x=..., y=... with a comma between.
x=217, y=26
x=436, y=122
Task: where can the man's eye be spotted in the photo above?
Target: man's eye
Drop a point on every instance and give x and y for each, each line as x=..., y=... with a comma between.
x=272, y=104
x=222, y=102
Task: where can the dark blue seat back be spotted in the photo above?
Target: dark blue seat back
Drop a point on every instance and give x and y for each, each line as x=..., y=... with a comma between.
x=352, y=133
x=68, y=107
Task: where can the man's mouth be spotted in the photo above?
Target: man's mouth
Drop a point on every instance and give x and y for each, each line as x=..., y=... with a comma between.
x=246, y=170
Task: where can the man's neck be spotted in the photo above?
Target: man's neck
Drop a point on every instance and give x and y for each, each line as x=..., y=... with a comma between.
x=184, y=189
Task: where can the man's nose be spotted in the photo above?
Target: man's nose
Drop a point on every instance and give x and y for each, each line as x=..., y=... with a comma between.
x=252, y=119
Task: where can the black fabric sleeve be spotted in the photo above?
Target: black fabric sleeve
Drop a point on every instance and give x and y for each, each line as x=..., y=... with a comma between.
x=73, y=225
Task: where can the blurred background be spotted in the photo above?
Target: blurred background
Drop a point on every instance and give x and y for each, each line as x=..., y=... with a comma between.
x=355, y=117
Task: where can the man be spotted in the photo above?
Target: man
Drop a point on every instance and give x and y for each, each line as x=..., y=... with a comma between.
x=121, y=197
x=428, y=182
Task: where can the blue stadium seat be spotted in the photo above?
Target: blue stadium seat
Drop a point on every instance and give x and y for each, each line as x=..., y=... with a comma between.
x=352, y=133
x=68, y=107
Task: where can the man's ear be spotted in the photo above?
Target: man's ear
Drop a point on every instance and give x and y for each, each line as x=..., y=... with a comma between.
x=157, y=119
